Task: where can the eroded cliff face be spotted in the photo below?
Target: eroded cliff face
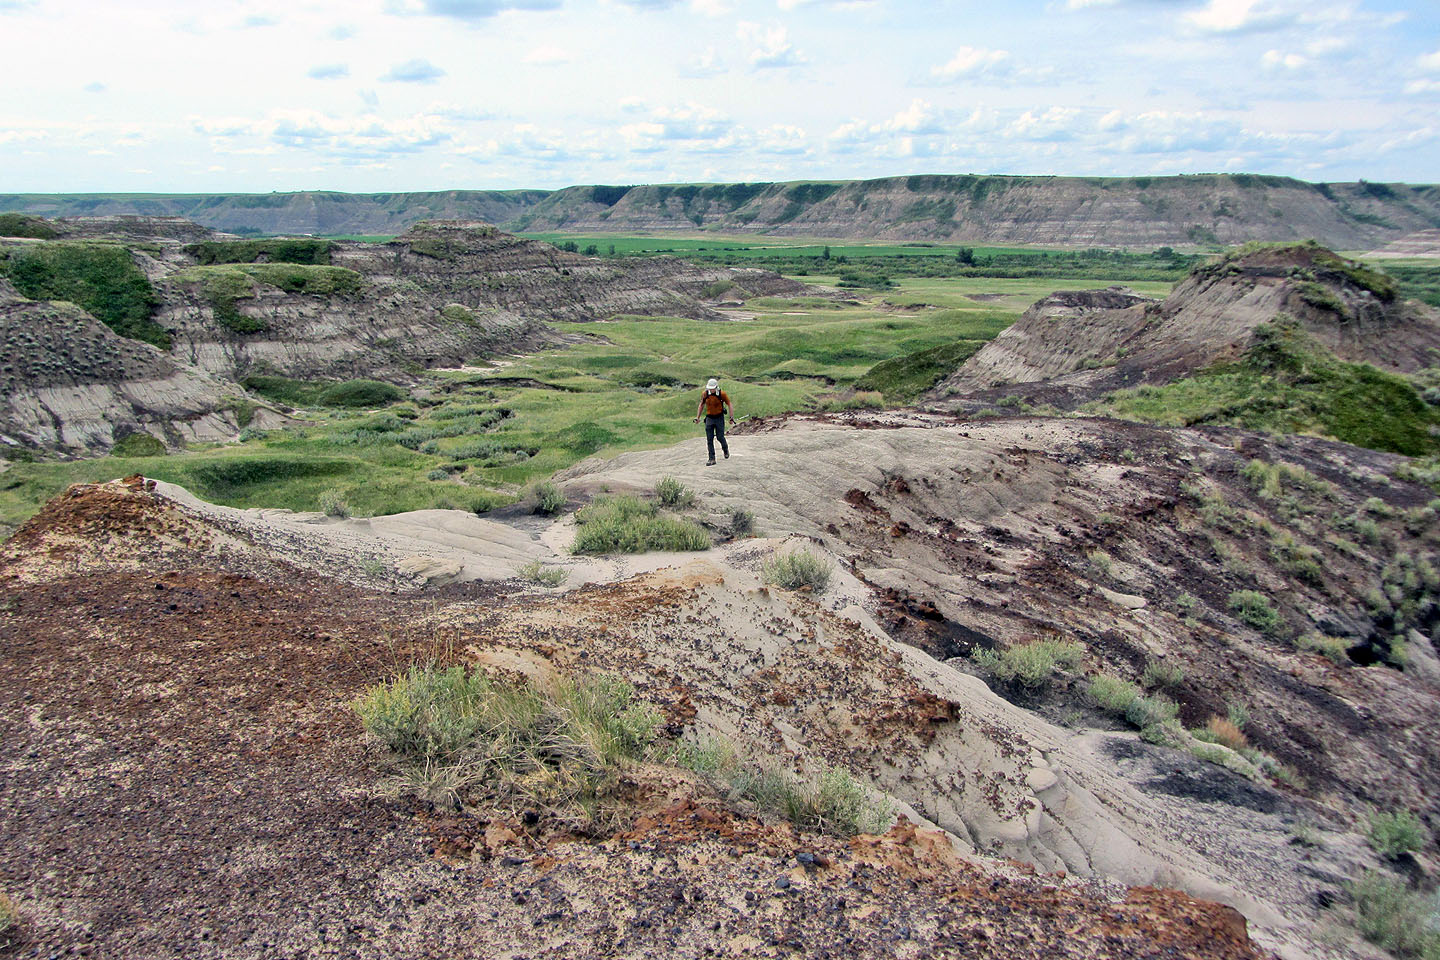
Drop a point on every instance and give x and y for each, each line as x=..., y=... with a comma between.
x=1074, y=346
x=1079, y=211
x=445, y=293
x=70, y=384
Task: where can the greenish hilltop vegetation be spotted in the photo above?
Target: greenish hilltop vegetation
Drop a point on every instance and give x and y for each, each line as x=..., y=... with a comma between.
x=223, y=285
x=903, y=379
x=273, y=250
x=20, y=225
x=1287, y=382
x=878, y=265
x=100, y=277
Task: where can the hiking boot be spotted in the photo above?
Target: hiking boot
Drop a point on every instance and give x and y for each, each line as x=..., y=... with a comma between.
x=710, y=462
x=727, y=454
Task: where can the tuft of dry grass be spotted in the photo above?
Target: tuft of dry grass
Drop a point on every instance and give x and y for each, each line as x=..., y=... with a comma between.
x=1227, y=734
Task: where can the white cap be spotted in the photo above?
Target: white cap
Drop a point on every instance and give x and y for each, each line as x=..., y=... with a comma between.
x=712, y=384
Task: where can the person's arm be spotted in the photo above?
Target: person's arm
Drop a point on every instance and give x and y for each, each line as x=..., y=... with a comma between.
x=700, y=409
x=730, y=405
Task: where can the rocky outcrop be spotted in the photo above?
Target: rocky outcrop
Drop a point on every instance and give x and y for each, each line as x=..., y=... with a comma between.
x=1078, y=211
x=1081, y=344
x=69, y=384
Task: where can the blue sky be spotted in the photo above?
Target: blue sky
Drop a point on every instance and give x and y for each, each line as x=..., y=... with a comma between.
x=391, y=95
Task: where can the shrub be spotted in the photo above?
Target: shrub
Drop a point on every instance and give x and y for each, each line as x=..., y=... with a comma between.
x=548, y=499
x=861, y=400
x=1252, y=608
x=796, y=569
x=623, y=524
x=360, y=393
x=674, y=494
x=1100, y=563
x=1395, y=834
x=460, y=737
x=1227, y=734
x=9, y=916
x=1394, y=918
x=1332, y=648
x=833, y=803
x=1112, y=694
x=138, y=444
x=333, y=504
x=742, y=522
x=1031, y=664
x=1161, y=674
x=535, y=572
x=1146, y=712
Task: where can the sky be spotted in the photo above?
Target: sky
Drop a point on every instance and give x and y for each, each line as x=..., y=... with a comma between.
x=400, y=95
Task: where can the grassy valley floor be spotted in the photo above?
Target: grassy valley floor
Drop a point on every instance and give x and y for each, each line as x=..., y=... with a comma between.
x=474, y=438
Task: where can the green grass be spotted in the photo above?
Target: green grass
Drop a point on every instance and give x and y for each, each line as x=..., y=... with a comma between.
x=1397, y=833
x=1030, y=664
x=273, y=249
x=625, y=524
x=833, y=802
x=798, y=568
x=536, y=572
x=1396, y=918
x=1253, y=609
x=902, y=379
x=100, y=277
x=459, y=738
x=1288, y=383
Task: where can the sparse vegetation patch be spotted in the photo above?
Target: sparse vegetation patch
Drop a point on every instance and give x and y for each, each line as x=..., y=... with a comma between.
x=625, y=524
x=794, y=569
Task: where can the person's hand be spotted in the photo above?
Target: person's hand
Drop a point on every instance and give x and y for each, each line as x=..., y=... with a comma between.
x=732, y=421
x=696, y=420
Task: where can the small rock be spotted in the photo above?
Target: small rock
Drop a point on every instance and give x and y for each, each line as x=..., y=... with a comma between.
x=782, y=883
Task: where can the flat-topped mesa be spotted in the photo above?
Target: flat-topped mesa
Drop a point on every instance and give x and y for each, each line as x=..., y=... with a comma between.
x=1070, y=347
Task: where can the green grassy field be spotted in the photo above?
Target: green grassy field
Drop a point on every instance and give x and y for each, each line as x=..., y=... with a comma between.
x=475, y=438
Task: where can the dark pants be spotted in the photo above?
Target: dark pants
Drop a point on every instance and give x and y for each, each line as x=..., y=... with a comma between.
x=715, y=427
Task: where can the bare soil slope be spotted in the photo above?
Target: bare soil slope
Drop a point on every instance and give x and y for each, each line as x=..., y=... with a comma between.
x=184, y=779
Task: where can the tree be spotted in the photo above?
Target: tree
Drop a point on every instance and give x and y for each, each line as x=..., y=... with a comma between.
x=592, y=251
x=826, y=254
x=965, y=255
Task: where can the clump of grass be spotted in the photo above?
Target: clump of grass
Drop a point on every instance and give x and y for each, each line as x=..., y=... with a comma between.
x=548, y=499
x=674, y=494
x=334, y=504
x=536, y=572
x=1158, y=673
x=1226, y=733
x=1031, y=664
x=798, y=568
x=360, y=393
x=834, y=802
x=460, y=738
x=742, y=522
x=138, y=444
x=1147, y=712
x=1253, y=609
x=1333, y=649
x=1393, y=835
x=1111, y=693
x=1395, y=918
x=623, y=524
x=861, y=400
x=1101, y=563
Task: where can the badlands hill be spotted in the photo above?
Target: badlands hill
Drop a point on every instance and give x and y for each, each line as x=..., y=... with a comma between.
x=1070, y=348
x=174, y=316
x=1137, y=211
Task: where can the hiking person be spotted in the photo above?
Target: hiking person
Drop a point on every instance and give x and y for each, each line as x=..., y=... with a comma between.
x=714, y=404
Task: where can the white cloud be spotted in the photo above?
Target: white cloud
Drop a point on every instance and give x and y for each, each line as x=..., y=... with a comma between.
x=1274, y=59
x=772, y=46
x=1081, y=4
x=969, y=62
x=471, y=10
x=328, y=71
x=414, y=71
x=711, y=8
x=706, y=64
x=918, y=118
x=1232, y=16
x=547, y=55
x=1430, y=62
